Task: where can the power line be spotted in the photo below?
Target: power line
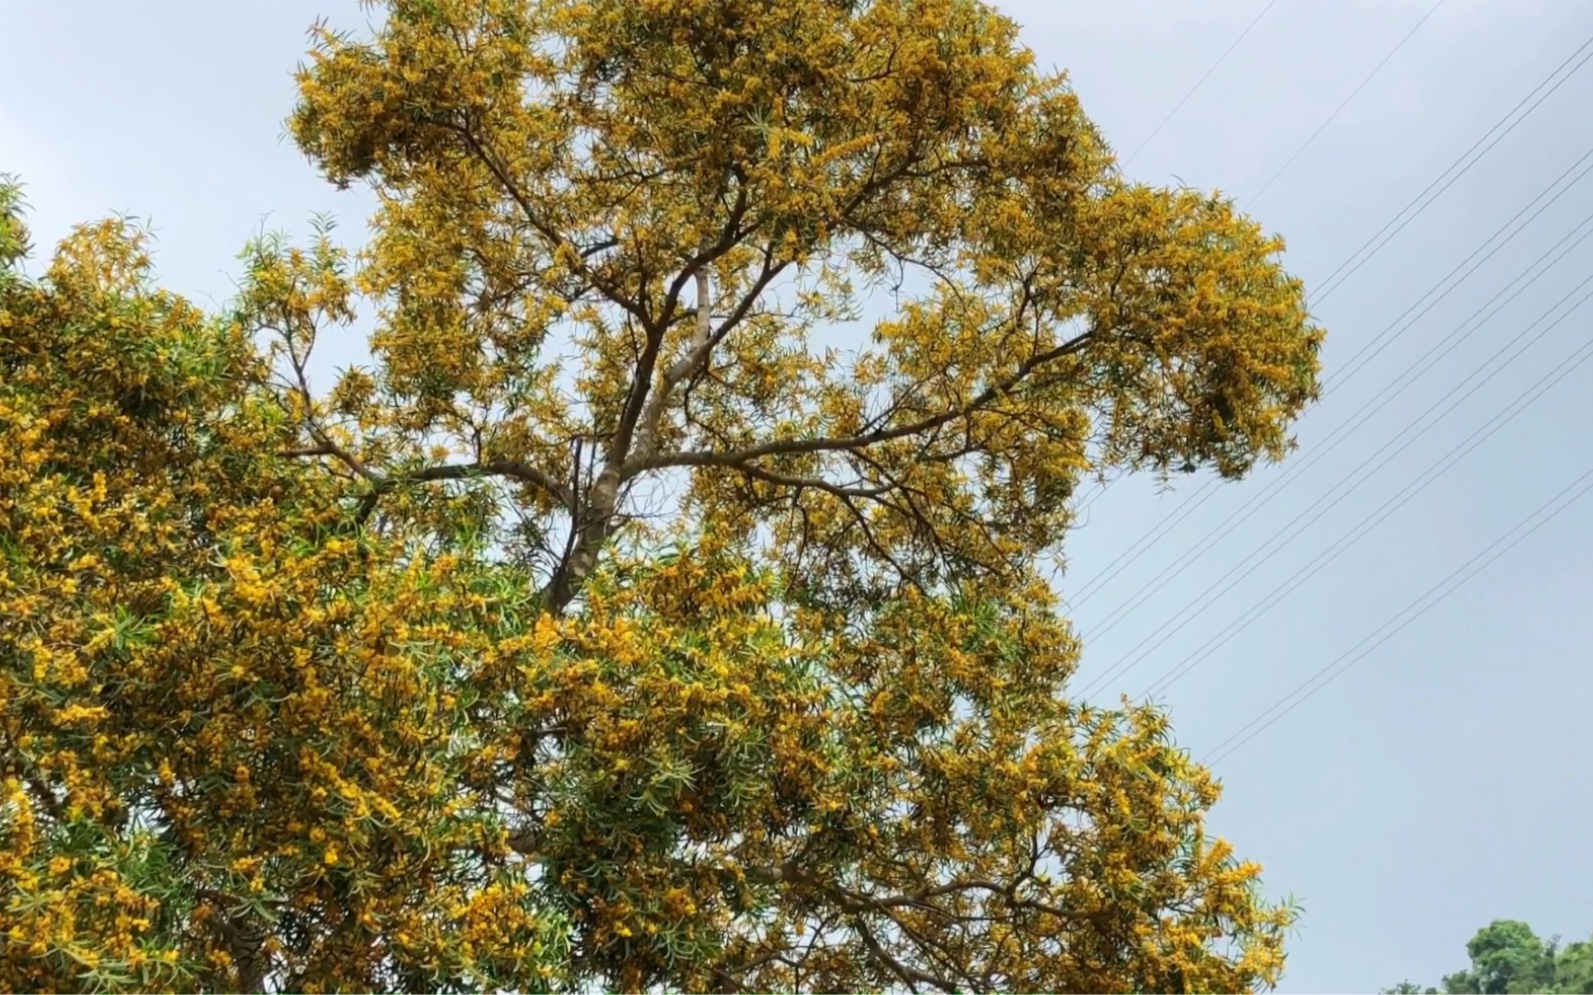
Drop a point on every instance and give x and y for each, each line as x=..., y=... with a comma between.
x=1088, y=591
x=1149, y=539
x=1383, y=397
x=1126, y=558
x=1336, y=279
x=1131, y=660
x=1199, y=82
x=1367, y=353
x=1101, y=489
x=1187, y=507
x=1361, y=86
x=1413, y=611
x=1330, y=285
x=1128, y=661
x=1199, y=497
x=1170, y=115
x=1377, y=517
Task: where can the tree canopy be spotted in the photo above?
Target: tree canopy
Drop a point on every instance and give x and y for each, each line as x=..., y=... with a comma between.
x=611, y=235
x=1508, y=958
x=426, y=680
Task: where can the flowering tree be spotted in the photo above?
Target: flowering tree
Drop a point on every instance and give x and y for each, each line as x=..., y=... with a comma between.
x=395, y=683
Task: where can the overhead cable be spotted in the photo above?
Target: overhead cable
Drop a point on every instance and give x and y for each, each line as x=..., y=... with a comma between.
x=1460, y=168
x=1337, y=110
x=1544, y=384
x=1385, y=395
x=1130, y=660
x=1200, y=82
x=1416, y=609
x=1200, y=496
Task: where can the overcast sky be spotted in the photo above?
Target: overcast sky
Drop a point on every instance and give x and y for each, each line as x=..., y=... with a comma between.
x=1443, y=781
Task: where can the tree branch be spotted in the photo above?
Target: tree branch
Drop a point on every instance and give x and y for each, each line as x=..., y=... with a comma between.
x=792, y=446
x=513, y=469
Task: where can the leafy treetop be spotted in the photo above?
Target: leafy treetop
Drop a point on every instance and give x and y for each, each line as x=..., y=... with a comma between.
x=620, y=241
x=1508, y=958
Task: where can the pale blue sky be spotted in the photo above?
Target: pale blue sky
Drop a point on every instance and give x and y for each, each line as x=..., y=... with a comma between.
x=1443, y=781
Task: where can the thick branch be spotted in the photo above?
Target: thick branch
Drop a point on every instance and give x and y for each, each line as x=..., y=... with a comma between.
x=596, y=523
x=642, y=414
x=782, y=447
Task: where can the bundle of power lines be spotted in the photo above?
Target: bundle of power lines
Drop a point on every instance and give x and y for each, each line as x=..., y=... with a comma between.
x=1500, y=360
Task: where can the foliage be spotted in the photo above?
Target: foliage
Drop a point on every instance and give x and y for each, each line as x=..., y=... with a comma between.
x=397, y=686
x=1507, y=958
x=243, y=746
x=221, y=754
x=614, y=234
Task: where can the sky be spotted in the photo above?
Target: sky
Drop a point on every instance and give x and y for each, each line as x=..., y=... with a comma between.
x=1442, y=781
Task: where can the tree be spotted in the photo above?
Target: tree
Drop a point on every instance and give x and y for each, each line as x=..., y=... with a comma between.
x=1507, y=957
x=399, y=685
x=1573, y=968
